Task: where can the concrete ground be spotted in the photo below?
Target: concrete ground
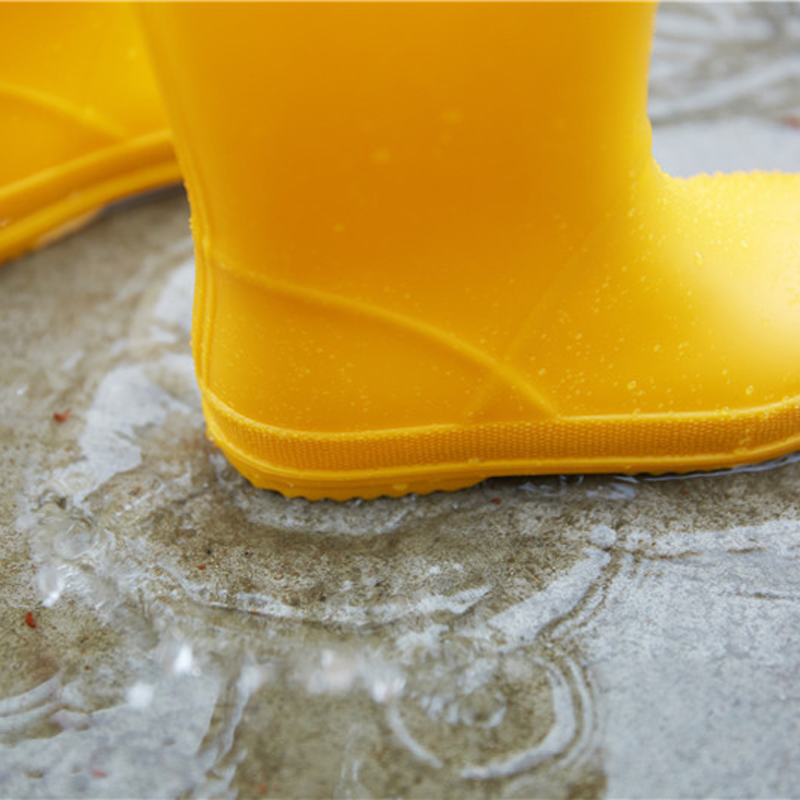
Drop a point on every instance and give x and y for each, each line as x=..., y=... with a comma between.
x=529, y=637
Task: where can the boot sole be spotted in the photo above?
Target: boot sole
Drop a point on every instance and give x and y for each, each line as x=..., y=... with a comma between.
x=55, y=202
x=450, y=457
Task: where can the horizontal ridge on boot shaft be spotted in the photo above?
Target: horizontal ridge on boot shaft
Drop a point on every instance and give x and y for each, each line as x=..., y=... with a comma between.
x=81, y=118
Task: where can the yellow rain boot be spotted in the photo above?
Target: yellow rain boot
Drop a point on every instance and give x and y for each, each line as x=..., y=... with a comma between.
x=433, y=246
x=81, y=120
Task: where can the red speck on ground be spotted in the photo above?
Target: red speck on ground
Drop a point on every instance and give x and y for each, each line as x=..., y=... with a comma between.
x=496, y=501
x=98, y=773
x=29, y=620
x=791, y=120
x=202, y=566
x=62, y=416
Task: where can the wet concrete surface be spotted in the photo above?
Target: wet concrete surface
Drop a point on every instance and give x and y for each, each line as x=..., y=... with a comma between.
x=530, y=637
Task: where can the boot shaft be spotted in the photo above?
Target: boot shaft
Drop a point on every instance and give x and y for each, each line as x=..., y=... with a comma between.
x=388, y=133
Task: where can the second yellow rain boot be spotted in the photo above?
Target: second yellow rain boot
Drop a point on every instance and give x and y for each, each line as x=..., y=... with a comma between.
x=433, y=246
x=81, y=120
